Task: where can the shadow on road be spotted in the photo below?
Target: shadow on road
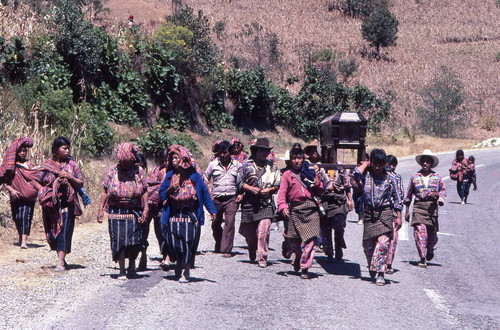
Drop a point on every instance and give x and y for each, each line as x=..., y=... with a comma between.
x=191, y=279
x=415, y=263
x=297, y=274
x=343, y=268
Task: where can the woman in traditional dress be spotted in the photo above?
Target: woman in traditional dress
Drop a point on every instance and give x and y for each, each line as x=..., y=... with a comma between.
x=427, y=190
x=124, y=197
x=155, y=180
x=296, y=201
x=184, y=194
x=259, y=179
x=237, y=151
x=18, y=176
x=61, y=179
x=458, y=172
x=382, y=200
x=337, y=202
x=392, y=163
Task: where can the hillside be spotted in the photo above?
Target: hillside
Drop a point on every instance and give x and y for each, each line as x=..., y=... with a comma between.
x=462, y=35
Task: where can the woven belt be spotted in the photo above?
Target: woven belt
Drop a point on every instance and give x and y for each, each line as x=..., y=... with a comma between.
x=128, y=216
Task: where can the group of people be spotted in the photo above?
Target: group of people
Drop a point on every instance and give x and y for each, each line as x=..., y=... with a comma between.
x=463, y=170
x=312, y=202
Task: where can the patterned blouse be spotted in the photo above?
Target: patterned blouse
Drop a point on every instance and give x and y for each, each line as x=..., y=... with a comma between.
x=46, y=178
x=241, y=157
x=460, y=168
x=420, y=190
x=125, y=189
x=154, y=182
x=380, y=192
x=186, y=196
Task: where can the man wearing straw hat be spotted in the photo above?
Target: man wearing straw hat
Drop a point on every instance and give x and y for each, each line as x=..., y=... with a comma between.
x=427, y=190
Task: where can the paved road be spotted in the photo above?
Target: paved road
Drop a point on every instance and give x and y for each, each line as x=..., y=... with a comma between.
x=459, y=289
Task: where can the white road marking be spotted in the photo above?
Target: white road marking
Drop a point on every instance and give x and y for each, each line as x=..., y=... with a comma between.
x=441, y=304
x=403, y=232
x=480, y=165
x=446, y=234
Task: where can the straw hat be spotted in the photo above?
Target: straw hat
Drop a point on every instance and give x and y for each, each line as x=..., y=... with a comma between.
x=313, y=146
x=427, y=153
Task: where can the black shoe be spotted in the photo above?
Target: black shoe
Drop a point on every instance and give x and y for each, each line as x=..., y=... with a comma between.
x=372, y=274
x=284, y=250
x=339, y=254
x=296, y=263
x=430, y=255
x=252, y=255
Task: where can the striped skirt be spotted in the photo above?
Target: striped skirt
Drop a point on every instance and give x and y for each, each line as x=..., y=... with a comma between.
x=66, y=224
x=304, y=220
x=22, y=214
x=181, y=236
x=125, y=233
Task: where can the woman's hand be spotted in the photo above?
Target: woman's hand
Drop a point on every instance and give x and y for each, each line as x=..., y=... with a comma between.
x=254, y=190
x=239, y=198
x=407, y=215
x=144, y=216
x=266, y=191
x=14, y=194
x=100, y=215
x=213, y=216
x=285, y=213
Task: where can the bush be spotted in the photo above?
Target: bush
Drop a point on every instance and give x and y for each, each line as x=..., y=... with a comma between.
x=13, y=59
x=252, y=95
x=347, y=68
x=154, y=140
x=380, y=28
x=443, y=98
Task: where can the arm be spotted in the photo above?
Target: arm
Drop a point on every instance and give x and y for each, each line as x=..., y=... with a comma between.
x=408, y=199
x=102, y=203
x=14, y=194
x=282, y=192
x=442, y=192
x=145, y=210
x=207, y=200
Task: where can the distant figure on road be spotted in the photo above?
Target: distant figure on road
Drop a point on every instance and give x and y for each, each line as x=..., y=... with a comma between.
x=382, y=200
x=427, y=190
x=471, y=172
x=259, y=180
x=124, y=197
x=18, y=175
x=297, y=202
x=61, y=179
x=392, y=163
x=184, y=194
x=458, y=172
x=224, y=172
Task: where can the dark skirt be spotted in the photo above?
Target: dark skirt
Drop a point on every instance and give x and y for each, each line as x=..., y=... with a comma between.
x=252, y=212
x=61, y=241
x=378, y=222
x=125, y=233
x=22, y=214
x=304, y=220
x=425, y=213
x=181, y=237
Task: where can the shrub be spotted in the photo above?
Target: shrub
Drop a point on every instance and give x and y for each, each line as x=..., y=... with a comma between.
x=13, y=59
x=380, y=28
x=156, y=139
x=443, y=98
x=347, y=68
x=219, y=28
x=252, y=95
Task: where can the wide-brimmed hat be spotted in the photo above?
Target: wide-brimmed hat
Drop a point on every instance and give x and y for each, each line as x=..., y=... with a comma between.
x=262, y=143
x=427, y=153
x=313, y=146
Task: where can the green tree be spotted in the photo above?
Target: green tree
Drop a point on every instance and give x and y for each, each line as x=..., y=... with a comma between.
x=443, y=98
x=380, y=28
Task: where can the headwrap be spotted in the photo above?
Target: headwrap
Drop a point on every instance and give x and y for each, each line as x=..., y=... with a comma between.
x=9, y=159
x=127, y=151
x=187, y=159
x=233, y=141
